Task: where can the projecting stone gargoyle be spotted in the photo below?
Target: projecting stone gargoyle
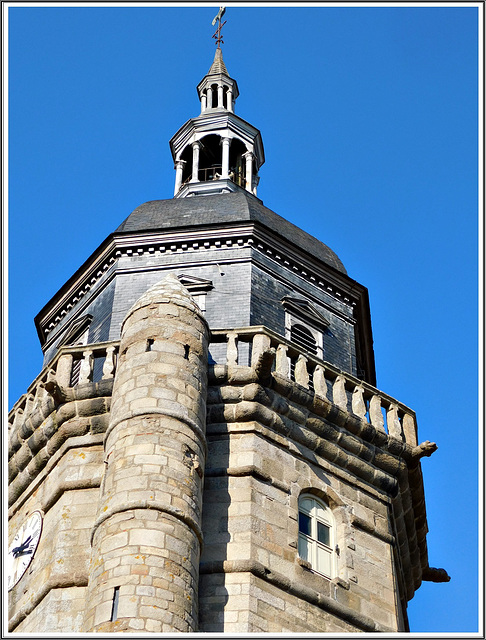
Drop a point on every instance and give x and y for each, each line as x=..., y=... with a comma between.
x=53, y=389
x=431, y=574
x=423, y=450
x=263, y=366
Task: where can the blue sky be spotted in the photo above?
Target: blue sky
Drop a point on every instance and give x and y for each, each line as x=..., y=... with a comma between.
x=369, y=121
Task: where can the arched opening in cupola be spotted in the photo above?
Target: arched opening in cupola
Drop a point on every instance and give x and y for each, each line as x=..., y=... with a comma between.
x=213, y=97
x=237, y=163
x=186, y=155
x=210, y=158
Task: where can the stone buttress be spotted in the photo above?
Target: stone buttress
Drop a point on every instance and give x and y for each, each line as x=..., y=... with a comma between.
x=147, y=536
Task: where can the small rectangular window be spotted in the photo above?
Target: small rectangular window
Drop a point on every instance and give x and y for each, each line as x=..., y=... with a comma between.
x=323, y=534
x=304, y=524
x=304, y=550
x=323, y=561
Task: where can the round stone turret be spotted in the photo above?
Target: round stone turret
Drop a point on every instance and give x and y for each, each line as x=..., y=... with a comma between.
x=147, y=537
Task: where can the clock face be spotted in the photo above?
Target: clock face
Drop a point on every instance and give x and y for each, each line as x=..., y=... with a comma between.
x=23, y=547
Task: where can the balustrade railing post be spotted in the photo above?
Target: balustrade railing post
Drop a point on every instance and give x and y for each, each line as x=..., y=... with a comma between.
x=339, y=396
x=319, y=381
x=18, y=418
x=63, y=370
x=109, y=363
x=358, y=405
x=282, y=361
x=260, y=342
x=29, y=404
x=301, y=374
x=393, y=423
x=410, y=430
x=232, y=349
x=376, y=416
x=86, y=369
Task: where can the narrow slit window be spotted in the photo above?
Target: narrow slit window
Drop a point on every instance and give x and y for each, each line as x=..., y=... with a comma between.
x=114, y=606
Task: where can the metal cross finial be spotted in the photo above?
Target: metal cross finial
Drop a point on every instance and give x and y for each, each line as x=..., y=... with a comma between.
x=217, y=34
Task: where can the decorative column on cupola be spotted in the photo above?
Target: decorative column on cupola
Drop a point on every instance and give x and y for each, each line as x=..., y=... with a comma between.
x=217, y=152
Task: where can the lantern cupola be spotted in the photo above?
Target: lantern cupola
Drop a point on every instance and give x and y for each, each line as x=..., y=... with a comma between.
x=216, y=152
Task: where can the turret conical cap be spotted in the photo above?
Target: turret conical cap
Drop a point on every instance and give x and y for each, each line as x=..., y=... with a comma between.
x=218, y=65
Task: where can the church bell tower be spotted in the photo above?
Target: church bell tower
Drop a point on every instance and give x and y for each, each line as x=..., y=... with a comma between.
x=205, y=448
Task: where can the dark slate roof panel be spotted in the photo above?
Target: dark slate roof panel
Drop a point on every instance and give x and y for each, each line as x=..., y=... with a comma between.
x=223, y=209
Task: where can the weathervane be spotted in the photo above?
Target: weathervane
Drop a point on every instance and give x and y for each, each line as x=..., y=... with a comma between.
x=217, y=34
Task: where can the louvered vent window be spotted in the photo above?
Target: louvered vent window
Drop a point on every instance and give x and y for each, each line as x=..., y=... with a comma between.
x=75, y=372
x=302, y=337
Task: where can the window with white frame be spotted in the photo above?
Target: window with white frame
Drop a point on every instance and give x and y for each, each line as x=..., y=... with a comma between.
x=316, y=535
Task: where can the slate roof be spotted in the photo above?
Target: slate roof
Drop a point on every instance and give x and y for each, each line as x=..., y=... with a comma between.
x=220, y=209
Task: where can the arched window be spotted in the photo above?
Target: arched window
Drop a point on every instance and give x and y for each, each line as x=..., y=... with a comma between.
x=316, y=535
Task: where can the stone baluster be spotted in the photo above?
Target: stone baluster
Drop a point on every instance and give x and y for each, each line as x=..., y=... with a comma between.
x=38, y=396
x=232, y=349
x=109, y=363
x=63, y=370
x=260, y=343
x=282, y=361
x=18, y=418
x=319, y=380
x=301, y=373
x=409, y=430
x=339, y=396
x=86, y=369
x=29, y=404
x=376, y=416
x=357, y=403
x=393, y=422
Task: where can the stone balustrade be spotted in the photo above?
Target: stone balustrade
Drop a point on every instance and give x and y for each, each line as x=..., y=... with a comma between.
x=245, y=346
x=82, y=364
x=72, y=366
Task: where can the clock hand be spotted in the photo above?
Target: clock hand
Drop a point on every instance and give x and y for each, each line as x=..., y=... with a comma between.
x=17, y=551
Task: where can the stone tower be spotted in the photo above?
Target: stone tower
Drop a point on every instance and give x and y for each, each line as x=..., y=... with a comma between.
x=205, y=449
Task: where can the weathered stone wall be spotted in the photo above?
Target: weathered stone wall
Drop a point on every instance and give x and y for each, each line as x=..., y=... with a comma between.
x=253, y=482
x=50, y=596
x=269, y=441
